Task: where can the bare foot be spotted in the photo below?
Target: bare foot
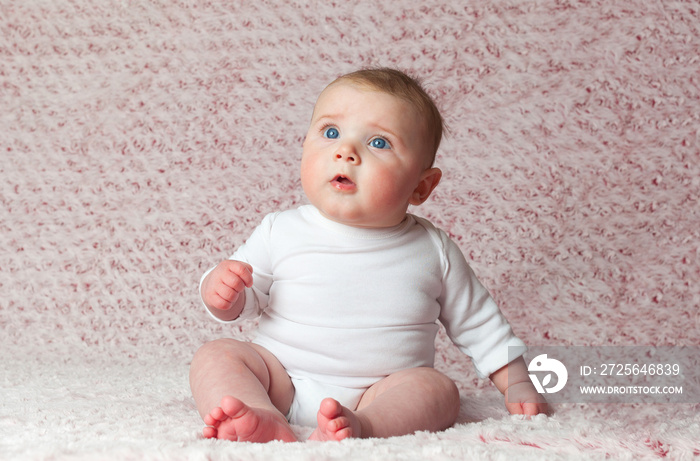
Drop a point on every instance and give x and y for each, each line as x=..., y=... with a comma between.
x=236, y=421
x=335, y=422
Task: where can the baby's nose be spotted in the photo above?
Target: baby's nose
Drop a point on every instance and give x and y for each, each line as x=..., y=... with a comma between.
x=348, y=153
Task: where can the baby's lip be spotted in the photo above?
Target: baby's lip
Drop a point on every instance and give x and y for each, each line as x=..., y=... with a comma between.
x=342, y=182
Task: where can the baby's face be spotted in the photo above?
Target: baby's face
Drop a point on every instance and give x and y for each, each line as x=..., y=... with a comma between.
x=364, y=155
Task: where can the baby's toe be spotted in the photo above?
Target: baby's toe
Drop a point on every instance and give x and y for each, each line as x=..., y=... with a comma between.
x=209, y=433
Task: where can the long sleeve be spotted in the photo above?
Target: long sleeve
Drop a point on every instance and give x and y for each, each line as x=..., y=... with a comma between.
x=471, y=317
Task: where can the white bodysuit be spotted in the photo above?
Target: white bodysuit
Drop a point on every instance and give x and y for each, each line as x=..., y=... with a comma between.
x=343, y=307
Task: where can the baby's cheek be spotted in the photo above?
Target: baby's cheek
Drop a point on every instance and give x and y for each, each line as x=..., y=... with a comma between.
x=391, y=189
x=308, y=172
x=386, y=200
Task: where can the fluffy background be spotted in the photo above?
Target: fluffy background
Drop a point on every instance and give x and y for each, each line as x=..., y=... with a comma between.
x=142, y=141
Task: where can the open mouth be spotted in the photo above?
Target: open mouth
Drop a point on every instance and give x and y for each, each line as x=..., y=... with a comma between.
x=342, y=182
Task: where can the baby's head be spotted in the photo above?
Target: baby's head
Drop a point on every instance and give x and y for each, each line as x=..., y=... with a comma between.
x=370, y=147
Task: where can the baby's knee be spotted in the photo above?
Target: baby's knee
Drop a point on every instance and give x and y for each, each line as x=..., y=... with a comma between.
x=444, y=393
x=436, y=382
x=219, y=349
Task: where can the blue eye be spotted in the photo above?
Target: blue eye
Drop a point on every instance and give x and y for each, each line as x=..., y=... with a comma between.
x=331, y=133
x=379, y=143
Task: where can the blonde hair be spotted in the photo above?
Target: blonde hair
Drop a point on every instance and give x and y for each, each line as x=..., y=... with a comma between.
x=398, y=84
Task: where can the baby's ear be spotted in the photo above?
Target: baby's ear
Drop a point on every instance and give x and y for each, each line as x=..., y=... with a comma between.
x=429, y=180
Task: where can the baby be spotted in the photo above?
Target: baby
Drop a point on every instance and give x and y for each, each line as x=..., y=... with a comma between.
x=350, y=289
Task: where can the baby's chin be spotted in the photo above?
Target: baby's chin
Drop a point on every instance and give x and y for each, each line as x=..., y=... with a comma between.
x=350, y=210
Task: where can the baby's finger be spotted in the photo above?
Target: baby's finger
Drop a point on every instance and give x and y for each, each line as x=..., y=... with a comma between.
x=515, y=408
x=533, y=408
x=218, y=302
x=233, y=282
x=244, y=271
x=226, y=293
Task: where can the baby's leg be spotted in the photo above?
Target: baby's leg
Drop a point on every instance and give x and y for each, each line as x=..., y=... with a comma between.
x=242, y=392
x=419, y=399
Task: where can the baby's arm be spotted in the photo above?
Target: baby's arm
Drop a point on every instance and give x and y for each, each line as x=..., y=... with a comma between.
x=521, y=396
x=223, y=289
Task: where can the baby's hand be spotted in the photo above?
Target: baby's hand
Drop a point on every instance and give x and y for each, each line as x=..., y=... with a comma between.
x=523, y=399
x=223, y=285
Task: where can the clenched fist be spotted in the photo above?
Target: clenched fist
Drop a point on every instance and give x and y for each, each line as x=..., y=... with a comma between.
x=222, y=288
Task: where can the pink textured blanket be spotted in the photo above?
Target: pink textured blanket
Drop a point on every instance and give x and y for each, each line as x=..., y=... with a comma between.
x=142, y=140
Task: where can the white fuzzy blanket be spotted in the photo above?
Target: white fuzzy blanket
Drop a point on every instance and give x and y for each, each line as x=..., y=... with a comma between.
x=142, y=140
